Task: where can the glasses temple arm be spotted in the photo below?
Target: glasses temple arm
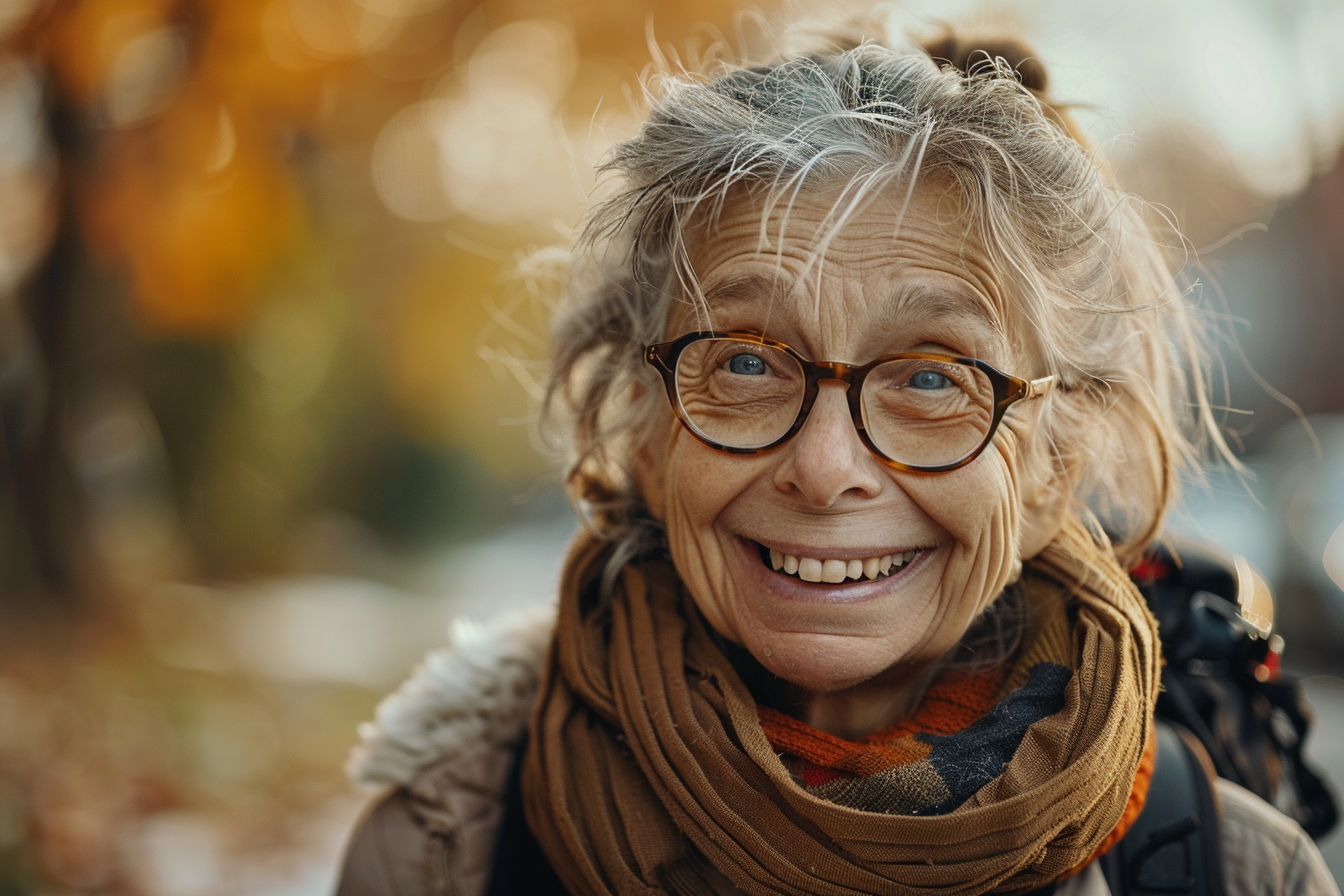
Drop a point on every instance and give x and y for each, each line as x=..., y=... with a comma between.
x=1043, y=386
x=653, y=355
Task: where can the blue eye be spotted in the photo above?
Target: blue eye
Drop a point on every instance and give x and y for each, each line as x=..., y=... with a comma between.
x=746, y=365
x=928, y=379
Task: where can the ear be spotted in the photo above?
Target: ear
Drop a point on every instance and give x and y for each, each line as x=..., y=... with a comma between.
x=1047, y=498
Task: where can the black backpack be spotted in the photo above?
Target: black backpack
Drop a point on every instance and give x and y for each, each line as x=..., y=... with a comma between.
x=1223, y=695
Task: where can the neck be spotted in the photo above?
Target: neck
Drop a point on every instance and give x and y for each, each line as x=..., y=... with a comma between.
x=852, y=713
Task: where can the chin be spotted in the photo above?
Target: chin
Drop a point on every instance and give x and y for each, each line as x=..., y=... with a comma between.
x=819, y=664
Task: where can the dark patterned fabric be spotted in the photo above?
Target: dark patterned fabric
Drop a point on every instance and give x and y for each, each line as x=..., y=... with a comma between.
x=957, y=741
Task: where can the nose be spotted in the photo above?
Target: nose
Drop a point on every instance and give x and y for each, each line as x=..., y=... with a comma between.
x=826, y=460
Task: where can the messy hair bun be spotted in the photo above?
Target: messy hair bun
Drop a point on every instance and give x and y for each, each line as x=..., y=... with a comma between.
x=998, y=56
x=977, y=56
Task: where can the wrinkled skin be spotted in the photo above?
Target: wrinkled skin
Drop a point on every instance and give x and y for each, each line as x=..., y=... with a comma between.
x=855, y=653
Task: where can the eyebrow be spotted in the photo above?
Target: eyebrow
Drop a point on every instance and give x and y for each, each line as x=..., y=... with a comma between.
x=745, y=287
x=940, y=304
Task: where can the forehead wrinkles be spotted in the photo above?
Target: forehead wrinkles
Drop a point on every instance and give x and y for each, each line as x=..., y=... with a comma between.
x=794, y=224
x=735, y=253
x=945, y=228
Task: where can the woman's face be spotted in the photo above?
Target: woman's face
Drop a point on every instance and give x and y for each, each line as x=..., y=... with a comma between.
x=888, y=283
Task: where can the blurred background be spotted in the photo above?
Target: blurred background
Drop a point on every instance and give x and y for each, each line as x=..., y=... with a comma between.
x=273, y=300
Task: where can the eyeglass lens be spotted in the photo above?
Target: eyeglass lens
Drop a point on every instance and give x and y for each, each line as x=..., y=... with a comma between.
x=917, y=411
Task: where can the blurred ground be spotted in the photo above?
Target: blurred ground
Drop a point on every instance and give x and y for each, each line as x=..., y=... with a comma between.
x=205, y=760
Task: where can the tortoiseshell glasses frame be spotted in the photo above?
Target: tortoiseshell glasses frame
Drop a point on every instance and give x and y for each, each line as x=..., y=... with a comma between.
x=1007, y=390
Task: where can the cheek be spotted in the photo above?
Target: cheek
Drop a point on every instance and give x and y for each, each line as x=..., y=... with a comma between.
x=981, y=500
x=980, y=507
x=651, y=464
x=698, y=486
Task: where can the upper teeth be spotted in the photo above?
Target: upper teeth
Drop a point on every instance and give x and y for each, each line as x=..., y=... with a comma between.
x=811, y=570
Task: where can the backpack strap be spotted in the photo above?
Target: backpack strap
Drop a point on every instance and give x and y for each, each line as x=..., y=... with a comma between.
x=1174, y=847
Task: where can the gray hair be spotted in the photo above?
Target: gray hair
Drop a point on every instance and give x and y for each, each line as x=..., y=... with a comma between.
x=1086, y=263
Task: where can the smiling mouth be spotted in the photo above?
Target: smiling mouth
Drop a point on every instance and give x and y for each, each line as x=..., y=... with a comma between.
x=833, y=571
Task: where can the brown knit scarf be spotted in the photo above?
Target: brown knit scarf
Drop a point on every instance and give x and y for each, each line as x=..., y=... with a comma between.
x=648, y=769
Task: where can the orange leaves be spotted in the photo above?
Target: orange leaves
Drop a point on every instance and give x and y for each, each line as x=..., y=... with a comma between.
x=86, y=39
x=191, y=194
x=191, y=190
x=196, y=208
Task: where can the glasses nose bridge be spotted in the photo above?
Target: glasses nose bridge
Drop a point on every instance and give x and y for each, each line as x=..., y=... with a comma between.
x=834, y=371
x=819, y=372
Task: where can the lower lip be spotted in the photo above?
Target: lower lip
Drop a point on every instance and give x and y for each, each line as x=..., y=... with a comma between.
x=794, y=588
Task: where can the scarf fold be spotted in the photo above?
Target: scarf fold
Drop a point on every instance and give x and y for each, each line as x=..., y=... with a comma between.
x=649, y=769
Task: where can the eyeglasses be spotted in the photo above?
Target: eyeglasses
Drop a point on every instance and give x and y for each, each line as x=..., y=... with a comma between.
x=919, y=412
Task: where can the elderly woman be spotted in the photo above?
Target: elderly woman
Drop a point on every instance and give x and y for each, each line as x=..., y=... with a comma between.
x=844, y=363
